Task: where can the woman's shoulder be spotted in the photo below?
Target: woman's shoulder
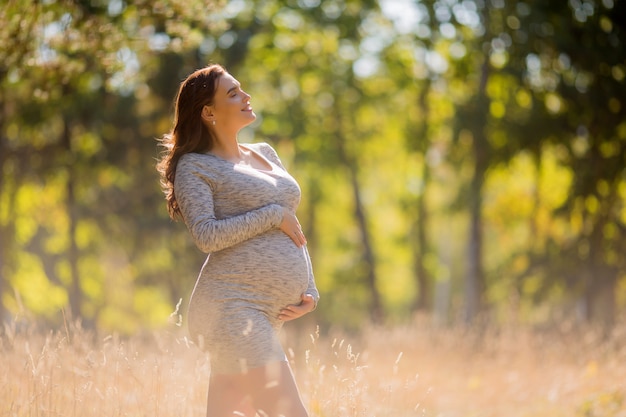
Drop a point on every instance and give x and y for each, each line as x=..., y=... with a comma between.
x=266, y=150
x=197, y=159
x=262, y=147
x=193, y=168
x=191, y=157
x=193, y=162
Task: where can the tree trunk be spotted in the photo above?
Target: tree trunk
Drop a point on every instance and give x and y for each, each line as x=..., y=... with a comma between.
x=423, y=299
x=5, y=234
x=601, y=283
x=369, y=261
x=474, y=276
x=7, y=226
x=376, y=311
x=75, y=291
x=602, y=303
x=474, y=279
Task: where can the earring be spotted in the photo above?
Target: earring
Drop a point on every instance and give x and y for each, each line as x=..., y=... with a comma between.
x=213, y=122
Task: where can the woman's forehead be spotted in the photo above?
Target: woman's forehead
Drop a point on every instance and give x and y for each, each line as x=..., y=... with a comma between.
x=226, y=82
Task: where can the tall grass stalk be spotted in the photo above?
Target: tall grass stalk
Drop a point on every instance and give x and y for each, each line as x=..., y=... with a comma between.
x=417, y=370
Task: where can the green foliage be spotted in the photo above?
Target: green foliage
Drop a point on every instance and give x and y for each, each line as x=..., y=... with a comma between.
x=402, y=124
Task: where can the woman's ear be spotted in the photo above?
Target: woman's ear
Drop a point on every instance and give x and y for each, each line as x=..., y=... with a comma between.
x=207, y=114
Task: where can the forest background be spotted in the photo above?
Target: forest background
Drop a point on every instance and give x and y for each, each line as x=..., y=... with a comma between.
x=461, y=159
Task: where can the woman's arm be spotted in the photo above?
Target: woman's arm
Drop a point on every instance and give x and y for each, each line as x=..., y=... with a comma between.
x=312, y=288
x=194, y=194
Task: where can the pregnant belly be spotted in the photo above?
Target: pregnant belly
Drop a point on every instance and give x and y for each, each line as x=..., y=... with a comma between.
x=268, y=268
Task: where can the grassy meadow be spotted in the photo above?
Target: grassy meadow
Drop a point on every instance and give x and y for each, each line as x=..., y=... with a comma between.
x=419, y=370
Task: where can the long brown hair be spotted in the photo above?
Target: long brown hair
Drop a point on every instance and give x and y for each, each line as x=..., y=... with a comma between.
x=189, y=133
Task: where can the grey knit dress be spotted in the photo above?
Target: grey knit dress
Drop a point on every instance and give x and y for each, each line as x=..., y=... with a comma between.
x=253, y=269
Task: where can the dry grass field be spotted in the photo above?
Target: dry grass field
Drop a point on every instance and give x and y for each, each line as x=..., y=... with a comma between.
x=403, y=371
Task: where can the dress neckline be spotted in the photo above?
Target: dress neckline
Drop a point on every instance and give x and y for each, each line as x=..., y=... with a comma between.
x=260, y=157
x=270, y=167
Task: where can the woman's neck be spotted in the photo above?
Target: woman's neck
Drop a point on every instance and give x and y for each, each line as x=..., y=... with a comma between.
x=227, y=149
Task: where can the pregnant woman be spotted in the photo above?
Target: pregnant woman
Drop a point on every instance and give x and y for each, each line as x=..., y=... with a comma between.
x=239, y=205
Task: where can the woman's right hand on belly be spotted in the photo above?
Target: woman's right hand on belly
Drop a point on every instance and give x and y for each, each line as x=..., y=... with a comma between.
x=294, y=311
x=291, y=227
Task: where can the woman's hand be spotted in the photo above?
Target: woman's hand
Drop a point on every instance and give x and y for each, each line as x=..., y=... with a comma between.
x=291, y=227
x=294, y=311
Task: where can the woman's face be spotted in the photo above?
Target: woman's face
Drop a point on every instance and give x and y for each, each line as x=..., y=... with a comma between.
x=231, y=105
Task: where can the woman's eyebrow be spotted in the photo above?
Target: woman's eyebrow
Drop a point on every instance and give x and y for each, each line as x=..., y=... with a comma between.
x=235, y=87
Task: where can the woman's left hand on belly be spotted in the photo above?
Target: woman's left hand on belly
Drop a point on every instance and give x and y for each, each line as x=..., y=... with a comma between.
x=294, y=311
x=291, y=227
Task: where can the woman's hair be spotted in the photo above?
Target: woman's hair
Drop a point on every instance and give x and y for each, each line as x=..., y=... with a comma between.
x=189, y=133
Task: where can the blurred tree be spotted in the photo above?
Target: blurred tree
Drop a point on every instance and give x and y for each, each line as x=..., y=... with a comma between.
x=413, y=80
x=576, y=61
x=70, y=95
x=18, y=46
x=471, y=122
x=427, y=123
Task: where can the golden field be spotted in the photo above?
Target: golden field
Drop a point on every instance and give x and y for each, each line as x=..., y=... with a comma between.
x=417, y=370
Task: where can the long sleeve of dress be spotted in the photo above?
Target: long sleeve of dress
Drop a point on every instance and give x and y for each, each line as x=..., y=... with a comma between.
x=312, y=288
x=194, y=194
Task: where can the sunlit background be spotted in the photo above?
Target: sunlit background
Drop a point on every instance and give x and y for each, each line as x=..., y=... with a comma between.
x=463, y=168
